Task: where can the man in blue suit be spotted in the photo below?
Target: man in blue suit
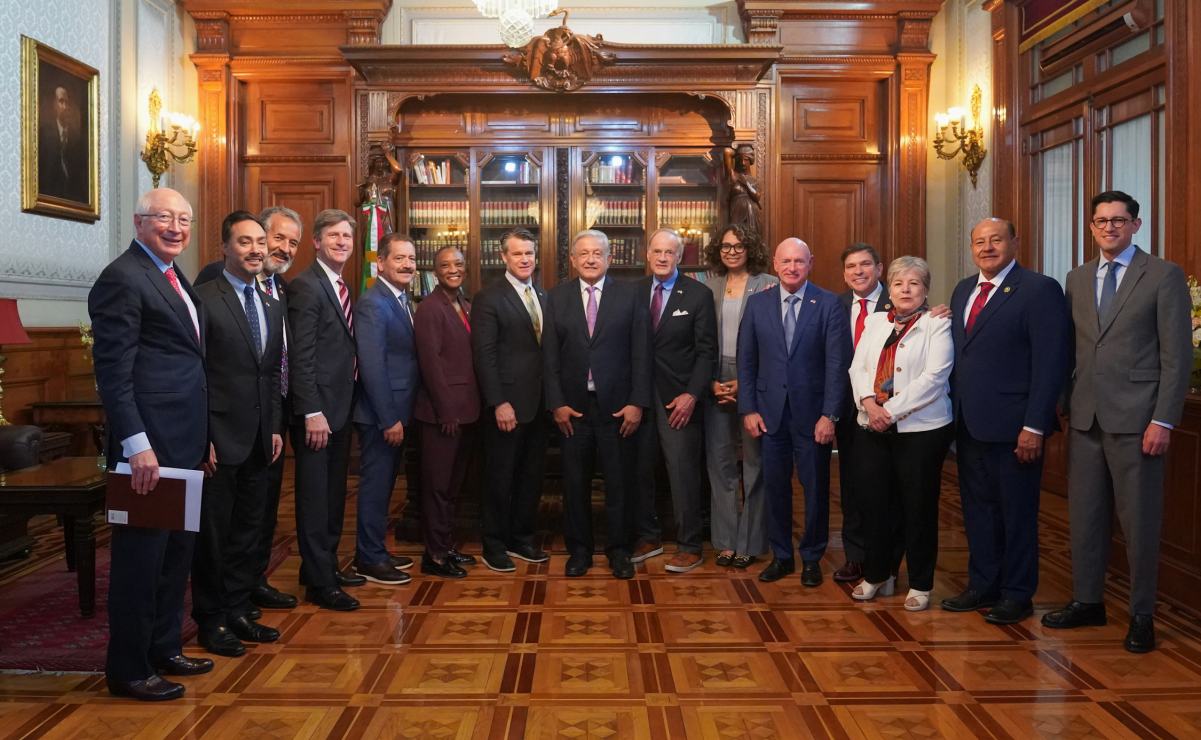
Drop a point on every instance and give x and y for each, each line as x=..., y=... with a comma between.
x=1011, y=360
x=793, y=353
x=388, y=382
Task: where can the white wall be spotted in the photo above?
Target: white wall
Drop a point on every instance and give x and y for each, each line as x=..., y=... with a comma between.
x=48, y=263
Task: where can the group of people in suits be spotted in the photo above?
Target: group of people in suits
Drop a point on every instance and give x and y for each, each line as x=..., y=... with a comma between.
x=761, y=374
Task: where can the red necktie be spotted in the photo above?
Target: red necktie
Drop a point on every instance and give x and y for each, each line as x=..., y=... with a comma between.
x=978, y=305
x=861, y=321
x=656, y=306
x=172, y=278
x=344, y=298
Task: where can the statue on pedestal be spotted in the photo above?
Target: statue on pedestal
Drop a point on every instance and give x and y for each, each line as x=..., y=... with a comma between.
x=743, y=197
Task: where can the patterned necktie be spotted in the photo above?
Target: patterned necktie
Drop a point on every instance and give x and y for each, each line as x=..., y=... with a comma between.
x=590, y=311
x=344, y=299
x=269, y=288
x=533, y=309
x=172, y=278
x=657, y=306
x=978, y=305
x=1108, y=290
x=861, y=321
x=790, y=321
x=252, y=318
x=404, y=303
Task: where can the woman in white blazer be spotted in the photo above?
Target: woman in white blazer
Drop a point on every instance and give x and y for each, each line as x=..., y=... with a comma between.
x=900, y=379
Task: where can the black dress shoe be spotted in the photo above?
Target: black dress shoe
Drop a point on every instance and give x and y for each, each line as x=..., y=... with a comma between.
x=331, y=597
x=182, y=665
x=155, y=688
x=968, y=601
x=220, y=641
x=1140, y=638
x=446, y=569
x=744, y=561
x=1075, y=614
x=622, y=567
x=777, y=569
x=528, y=553
x=254, y=613
x=400, y=562
x=266, y=596
x=384, y=573
x=811, y=574
x=348, y=577
x=1009, y=611
x=459, y=558
x=244, y=629
x=723, y=560
x=499, y=562
x=850, y=572
x=578, y=565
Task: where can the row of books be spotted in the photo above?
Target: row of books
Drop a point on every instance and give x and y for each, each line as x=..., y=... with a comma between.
x=697, y=214
x=506, y=212
x=626, y=252
x=431, y=172
x=618, y=212
x=438, y=212
x=611, y=173
x=427, y=248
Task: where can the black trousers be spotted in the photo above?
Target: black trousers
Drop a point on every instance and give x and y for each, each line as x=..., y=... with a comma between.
x=275, y=479
x=597, y=433
x=846, y=430
x=320, y=504
x=899, y=477
x=512, y=489
x=225, y=562
x=444, y=461
x=147, y=579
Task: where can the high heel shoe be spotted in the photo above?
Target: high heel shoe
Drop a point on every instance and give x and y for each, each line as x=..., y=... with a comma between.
x=920, y=599
x=867, y=591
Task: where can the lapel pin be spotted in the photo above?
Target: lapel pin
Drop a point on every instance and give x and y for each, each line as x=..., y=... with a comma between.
x=1006, y=289
x=813, y=300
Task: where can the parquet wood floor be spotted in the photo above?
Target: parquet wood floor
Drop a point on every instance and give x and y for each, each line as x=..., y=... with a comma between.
x=711, y=654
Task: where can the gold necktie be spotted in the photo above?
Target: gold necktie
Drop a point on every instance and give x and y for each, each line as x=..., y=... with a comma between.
x=529, y=306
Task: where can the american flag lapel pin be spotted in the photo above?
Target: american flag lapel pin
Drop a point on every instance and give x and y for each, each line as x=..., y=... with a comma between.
x=1007, y=289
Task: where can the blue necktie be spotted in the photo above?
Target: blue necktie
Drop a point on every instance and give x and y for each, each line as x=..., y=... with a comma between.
x=252, y=318
x=1108, y=289
x=790, y=321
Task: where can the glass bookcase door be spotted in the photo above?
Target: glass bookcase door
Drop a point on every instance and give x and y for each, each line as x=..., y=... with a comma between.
x=615, y=202
x=687, y=202
x=439, y=208
x=510, y=196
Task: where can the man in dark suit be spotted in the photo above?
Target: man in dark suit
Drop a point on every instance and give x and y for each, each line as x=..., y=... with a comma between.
x=63, y=152
x=861, y=270
x=448, y=405
x=388, y=381
x=596, y=345
x=322, y=368
x=1131, y=316
x=243, y=339
x=1011, y=360
x=149, y=363
x=506, y=340
x=683, y=352
x=793, y=353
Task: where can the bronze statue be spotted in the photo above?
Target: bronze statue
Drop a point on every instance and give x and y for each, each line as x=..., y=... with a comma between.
x=561, y=60
x=382, y=173
x=744, y=195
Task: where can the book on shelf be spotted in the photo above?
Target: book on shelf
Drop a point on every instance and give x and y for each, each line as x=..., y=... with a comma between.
x=695, y=214
x=508, y=212
x=600, y=173
x=672, y=180
x=619, y=212
x=431, y=172
x=427, y=212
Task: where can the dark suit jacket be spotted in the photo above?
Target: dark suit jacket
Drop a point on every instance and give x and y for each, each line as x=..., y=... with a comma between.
x=448, y=390
x=1009, y=372
x=508, y=357
x=215, y=270
x=244, y=400
x=811, y=376
x=211, y=271
x=685, y=344
x=849, y=416
x=388, y=373
x=321, y=355
x=149, y=363
x=618, y=353
x=73, y=183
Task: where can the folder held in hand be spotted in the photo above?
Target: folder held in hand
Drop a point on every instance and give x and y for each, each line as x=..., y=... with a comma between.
x=173, y=504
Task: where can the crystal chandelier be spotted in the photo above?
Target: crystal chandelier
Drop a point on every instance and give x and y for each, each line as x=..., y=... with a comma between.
x=516, y=17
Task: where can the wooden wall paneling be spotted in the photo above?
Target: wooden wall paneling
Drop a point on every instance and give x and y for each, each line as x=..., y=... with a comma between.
x=217, y=176
x=52, y=367
x=830, y=205
x=909, y=154
x=1003, y=146
x=307, y=188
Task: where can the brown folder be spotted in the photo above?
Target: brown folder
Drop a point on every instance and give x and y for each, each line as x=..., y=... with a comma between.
x=162, y=508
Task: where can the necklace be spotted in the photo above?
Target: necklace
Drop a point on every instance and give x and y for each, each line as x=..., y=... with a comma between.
x=730, y=286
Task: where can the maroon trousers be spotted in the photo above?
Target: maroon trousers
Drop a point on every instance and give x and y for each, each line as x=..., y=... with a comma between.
x=444, y=461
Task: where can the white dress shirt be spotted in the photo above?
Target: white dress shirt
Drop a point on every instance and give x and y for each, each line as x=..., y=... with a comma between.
x=873, y=299
x=600, y=289
x=1122, y=260
x=520, y=287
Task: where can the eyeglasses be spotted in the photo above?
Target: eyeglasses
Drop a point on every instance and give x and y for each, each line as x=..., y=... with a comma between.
x=165, y=219
x=1117, y=222
x=733, y=248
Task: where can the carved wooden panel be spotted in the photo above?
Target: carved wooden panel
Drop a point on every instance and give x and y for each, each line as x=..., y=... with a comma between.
x=305, y=188
x=830, y=117
x=290, y=121
x=830, y=206
x=508, y=121
x=53, y=367
x=289, y=118
x=818, y=119
x=875, y=35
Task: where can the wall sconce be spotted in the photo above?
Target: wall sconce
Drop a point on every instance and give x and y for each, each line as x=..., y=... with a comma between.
x=171, y=138
x=967, y=135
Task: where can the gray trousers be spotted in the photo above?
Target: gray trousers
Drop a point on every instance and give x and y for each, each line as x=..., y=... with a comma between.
x=681, y=450
x=737, y=521
x=1108, y=472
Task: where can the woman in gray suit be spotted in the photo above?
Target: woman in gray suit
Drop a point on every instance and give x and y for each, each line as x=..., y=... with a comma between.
x=738, y=263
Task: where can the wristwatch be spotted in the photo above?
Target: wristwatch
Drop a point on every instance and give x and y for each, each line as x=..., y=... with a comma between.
x=832, y=418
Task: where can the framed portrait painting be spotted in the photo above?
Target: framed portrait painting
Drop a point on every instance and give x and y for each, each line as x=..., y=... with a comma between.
x=60, y=134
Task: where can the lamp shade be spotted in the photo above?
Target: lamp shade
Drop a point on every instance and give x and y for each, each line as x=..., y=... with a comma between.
x=11, y=331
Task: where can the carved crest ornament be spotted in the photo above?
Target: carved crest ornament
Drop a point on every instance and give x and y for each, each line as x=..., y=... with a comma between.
x=561, y=60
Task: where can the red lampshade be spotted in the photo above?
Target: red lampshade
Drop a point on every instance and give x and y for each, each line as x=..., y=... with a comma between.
x=11, y=331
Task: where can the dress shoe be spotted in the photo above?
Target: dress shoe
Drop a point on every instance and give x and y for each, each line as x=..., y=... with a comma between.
x=244, y=629
x=777, y=569
x=811, y=574
x=645, y=551
x=331, y=597
x=182, y=665
x=849, y=572
x=622, y=567
x=220, y=641
x=400, y=562
x=682, y=562
x=968, y=601
x=724, y=559
x=446, y=569
x=155, y=688
x=578, y=565
x=499, y=562
x=266, y=596
x=1075, y=614
x=528, y=553
x=347, y=577
x=744, y=561
x=383, y=573
x=1140, y=638
x=459, y=558
x=255, y=613
x=1009, y=611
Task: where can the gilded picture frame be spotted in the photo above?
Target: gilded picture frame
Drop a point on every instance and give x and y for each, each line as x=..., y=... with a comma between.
x=60, y=134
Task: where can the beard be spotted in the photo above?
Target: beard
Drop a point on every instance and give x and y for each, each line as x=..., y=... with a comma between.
x=274, y=266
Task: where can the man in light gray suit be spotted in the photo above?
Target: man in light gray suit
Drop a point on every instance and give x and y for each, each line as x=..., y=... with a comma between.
x=1131, y=313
